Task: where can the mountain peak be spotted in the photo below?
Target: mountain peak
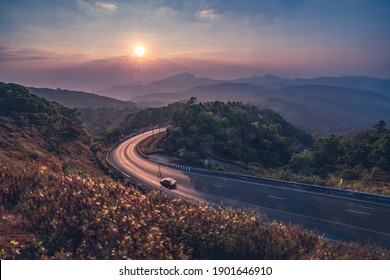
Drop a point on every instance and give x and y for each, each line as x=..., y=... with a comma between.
x=181, y=76
x=185, y=74
x=269, y=76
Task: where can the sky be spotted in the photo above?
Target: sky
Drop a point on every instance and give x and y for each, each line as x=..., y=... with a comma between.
x=300, y=38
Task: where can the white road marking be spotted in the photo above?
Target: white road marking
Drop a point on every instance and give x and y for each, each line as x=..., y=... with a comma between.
x=365, y=207
x=358, y=212
x=276, y=197
x=217, y=186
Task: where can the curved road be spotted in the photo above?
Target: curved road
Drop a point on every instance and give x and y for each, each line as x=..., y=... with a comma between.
x=336, y=217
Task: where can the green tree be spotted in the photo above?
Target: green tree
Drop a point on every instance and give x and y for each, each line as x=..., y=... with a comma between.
x=380, y=126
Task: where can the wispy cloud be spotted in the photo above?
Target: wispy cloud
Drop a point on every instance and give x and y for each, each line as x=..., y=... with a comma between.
x=109, y=8
x=208, y=15
x=99, y=7
x=14, y=54
x=10, y=54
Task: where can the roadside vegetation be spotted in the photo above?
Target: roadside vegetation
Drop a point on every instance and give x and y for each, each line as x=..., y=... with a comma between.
x=56, y=203
x=67, y=216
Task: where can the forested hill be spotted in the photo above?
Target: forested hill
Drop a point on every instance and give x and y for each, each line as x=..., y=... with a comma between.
x=100, y=114
x=233, y=131
x=33, y=129
x=20, y=107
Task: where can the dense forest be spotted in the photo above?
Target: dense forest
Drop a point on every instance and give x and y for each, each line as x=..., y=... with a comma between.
x=56, y=203
x=233, y=131
x=362, y=160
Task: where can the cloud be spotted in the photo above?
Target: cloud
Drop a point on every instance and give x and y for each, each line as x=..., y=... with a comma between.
x=109, y=8
x=99, y=7
x=208, y=15
x=12, y=54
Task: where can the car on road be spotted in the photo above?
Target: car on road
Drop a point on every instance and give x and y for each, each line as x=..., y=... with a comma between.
x=168, y=183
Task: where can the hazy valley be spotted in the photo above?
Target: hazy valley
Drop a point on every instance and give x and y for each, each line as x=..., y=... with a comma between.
x=320, y=105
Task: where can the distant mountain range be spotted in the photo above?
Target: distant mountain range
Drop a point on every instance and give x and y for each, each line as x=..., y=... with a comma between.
x=320, y=105
x=185, y=81
x=171, y=84
x=80, y=99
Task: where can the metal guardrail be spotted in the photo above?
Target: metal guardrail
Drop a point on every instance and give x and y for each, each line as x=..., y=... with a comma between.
x=287, y=184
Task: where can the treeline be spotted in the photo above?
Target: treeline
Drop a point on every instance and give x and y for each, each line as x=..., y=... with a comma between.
x=363, y=157
x=138, y=120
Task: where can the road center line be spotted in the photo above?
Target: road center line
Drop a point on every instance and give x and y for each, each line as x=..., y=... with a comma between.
x=276, y=197
x=364, y=207
x=358, y=212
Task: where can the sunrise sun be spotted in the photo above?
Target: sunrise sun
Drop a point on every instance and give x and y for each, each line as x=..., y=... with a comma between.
x=139, y=51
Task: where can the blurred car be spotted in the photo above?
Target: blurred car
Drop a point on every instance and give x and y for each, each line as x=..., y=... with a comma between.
x=168, y=183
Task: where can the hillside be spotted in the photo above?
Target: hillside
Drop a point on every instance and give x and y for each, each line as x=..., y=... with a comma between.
x=34, y=129
x=231, y=131
x=36, y=136
x=100, y=114
x=55, y=203
x=362, y=160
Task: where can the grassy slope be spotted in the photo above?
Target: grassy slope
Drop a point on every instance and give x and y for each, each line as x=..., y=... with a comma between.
x=95, y=217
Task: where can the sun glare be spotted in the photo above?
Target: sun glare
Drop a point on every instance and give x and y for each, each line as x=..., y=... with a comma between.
x=139, y=51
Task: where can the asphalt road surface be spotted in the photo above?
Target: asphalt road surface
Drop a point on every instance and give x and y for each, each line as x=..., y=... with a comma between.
x=335, y=217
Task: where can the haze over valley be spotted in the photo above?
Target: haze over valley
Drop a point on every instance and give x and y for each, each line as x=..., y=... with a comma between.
x=319, y=105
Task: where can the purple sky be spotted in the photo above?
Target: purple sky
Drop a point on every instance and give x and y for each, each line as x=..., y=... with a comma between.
x=50, y=42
